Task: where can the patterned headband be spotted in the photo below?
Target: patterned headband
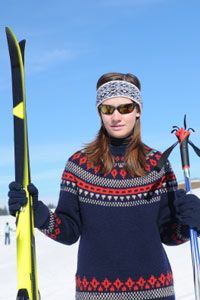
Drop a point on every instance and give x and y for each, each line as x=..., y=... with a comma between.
x=118, y=88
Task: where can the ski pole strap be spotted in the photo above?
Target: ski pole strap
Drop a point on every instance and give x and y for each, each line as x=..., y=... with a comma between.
x=164, y=157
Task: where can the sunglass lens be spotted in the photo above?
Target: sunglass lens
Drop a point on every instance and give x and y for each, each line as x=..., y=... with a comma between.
x=107, y=109
x=126, y=108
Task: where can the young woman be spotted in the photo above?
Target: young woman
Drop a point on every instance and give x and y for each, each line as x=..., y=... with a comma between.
x=117, y=203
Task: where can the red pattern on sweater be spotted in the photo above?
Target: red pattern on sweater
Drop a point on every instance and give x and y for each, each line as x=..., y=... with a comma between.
x=118, y=285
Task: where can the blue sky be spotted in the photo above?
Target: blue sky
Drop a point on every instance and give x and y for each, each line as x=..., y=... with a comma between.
x=70, y=44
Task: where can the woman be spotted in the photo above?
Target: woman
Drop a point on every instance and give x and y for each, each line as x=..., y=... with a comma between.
x=117, y=203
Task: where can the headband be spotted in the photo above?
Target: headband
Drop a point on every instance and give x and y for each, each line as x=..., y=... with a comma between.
x=118, y=88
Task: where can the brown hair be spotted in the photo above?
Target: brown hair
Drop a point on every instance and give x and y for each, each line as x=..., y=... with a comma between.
x=98, y=151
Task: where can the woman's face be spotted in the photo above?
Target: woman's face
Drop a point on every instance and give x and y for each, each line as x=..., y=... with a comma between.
x=119, y=125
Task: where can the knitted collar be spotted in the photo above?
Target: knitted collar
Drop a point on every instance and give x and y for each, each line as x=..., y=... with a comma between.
x=118, y=145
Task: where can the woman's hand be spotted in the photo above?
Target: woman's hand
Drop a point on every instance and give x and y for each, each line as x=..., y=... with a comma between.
x=187, y=208
x=17, y=197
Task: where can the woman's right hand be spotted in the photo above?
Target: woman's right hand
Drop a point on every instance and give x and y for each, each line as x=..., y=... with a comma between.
x=17, y=197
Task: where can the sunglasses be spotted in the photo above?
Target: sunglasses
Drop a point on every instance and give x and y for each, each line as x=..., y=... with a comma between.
x=122, y=109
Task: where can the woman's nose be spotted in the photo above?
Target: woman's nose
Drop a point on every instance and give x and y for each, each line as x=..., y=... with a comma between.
x=116, y=116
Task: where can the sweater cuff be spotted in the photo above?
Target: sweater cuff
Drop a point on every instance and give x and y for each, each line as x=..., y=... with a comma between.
x=41, y=215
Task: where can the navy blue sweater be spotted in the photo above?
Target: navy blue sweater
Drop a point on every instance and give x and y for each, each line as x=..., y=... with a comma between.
x=121, y=221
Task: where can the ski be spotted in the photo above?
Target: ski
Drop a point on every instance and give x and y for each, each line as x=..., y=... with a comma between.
x=27, y=282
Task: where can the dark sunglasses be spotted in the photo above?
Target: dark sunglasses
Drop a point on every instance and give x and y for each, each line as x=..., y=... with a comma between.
x=122, y=109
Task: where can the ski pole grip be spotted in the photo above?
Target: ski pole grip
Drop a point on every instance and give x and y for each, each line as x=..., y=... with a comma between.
x=184, y=153
x=183, y=135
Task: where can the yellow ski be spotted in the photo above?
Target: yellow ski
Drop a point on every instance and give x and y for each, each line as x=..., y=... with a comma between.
x=27, y=282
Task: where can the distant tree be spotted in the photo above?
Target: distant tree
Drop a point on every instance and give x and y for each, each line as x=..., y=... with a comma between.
x=3, y=211
x=51, y=206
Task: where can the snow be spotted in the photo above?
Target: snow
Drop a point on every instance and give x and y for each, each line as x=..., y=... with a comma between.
x=57, y=267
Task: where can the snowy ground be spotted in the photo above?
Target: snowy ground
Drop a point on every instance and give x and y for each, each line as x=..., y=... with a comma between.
x=57, y=267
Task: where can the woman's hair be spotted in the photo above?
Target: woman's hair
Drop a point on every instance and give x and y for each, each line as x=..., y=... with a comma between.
x=98, y=151
x=118, y=76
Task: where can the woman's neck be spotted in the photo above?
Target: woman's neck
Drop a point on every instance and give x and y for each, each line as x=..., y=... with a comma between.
x=118, y=145
x=119, y=141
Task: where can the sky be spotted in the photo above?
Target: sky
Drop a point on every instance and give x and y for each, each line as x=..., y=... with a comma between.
x=69, y=45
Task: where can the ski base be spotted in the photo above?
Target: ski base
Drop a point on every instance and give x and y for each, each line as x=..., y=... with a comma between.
x=23, y=295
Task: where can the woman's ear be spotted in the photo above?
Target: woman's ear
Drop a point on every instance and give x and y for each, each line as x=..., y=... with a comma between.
x=138, y=115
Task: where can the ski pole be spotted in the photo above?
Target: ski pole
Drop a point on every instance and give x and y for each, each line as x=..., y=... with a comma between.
x=183, y=134
x=183, y=139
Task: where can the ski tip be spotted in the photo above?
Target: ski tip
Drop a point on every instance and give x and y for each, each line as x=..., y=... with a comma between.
x=8, y=30
x=22, y=43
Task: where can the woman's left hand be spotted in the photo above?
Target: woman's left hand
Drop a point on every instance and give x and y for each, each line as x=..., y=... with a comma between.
x=187, y=209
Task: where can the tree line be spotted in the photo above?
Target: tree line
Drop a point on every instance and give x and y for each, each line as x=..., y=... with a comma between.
x=4, y=211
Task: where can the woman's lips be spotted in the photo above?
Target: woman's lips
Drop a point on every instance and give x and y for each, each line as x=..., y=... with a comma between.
x=117, y=126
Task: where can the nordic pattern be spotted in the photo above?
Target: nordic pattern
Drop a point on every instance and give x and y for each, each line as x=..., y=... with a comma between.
x=95, y=188
x=141, y=288
x=140, y=284
x=53, y=229
x=117, y=88
x=160, y=293
x=87, y=200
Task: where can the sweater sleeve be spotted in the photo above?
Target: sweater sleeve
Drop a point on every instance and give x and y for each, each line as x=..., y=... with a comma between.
x=64, y=225
x=172, y=232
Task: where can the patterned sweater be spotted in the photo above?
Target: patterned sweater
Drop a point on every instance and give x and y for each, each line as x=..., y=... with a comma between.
x=122, y=221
